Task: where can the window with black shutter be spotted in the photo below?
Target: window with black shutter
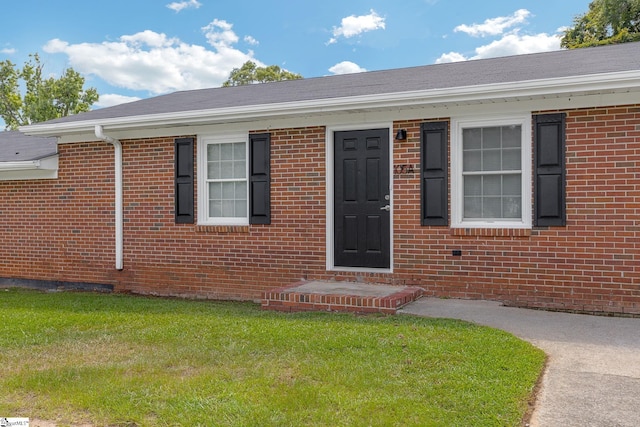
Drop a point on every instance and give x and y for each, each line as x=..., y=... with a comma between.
x=259, y=178
x=433, y=173
x=184, y=170
x=549, y=170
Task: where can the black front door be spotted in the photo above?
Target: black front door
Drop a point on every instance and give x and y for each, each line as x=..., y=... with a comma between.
x=362, y=199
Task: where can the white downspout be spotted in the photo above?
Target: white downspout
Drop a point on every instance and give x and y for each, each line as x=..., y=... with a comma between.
x=118, y=184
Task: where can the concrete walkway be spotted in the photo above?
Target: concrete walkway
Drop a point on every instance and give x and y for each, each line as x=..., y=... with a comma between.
x=593, y=372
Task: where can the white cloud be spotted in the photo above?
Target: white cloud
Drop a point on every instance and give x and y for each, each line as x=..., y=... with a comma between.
x=512, y=39
x=510, y=44
x=250, y=40
x=450, y=57
x=156, y=63
x=149, y=38
x=352, y=26
x=494, y=26
x=111, y=99
x=346, y=67
x=8, y=51
x=219, y=34
x=515, y=44
x=177, y=6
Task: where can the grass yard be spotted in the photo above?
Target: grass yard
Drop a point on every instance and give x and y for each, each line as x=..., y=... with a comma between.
x=117, y=360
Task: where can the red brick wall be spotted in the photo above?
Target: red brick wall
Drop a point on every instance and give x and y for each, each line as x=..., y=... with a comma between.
x=592, y=264
x=238, y=262
x=63, y=229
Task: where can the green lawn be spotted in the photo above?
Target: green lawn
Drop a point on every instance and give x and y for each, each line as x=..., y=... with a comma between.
x=120, y=360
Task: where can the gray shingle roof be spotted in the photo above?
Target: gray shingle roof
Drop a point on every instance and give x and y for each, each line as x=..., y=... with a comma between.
x=549, y=65
x=17, y=147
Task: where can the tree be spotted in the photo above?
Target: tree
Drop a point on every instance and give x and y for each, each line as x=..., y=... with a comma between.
x=606, y=22
x=250, y=73
x=44, y=98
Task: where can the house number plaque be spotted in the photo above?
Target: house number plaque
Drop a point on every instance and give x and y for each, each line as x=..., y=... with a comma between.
x=403, y=170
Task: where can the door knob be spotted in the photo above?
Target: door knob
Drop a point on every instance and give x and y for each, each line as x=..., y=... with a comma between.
x=386, y=208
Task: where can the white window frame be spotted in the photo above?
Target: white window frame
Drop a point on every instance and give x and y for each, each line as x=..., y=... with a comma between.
x=203, y=188
x=457, y=188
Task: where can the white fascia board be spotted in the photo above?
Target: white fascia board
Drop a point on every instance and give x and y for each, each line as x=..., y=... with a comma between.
x=45, y=168
x=20, y=166
x=588, y=84
x=50, y=162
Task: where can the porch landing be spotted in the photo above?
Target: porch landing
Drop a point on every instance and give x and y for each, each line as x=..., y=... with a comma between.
x=340, y=296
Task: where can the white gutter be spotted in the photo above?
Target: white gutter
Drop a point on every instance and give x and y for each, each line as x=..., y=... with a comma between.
x=20, y=166
x=118, y=190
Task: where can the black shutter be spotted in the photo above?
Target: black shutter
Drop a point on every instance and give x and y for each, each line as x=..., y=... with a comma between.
x=184, y=181
x=259, y=178
x=549, y=174
x=434, y=169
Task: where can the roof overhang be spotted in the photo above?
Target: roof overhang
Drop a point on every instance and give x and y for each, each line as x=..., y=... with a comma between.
x=618, y=82
x=20, y=166
x=45, y=168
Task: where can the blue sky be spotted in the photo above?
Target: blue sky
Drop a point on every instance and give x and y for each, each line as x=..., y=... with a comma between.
x=139, y=48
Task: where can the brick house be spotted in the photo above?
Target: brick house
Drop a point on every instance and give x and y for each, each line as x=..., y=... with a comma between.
x=514, y=179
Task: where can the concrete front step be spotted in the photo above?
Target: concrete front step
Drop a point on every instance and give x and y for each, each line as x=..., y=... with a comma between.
x=340, y=296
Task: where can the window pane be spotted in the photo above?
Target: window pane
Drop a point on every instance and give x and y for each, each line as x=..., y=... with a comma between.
x=511, y=136
x=226, y=170
x=241, y=208
x=511, y=185
x=241, y=191
x=213, y=170
x=491, y=160
x=228, y=190
x=239, y=151
x=472, y=161
x=226, y=151
x=491, y=138
x=239, y=169
x=492, y=185
x=228, y=199
x=215, y=208
x=213, y=157
x=492, y=207
x=472, y=207
x=487, y=153
x=228, y=208
x=511, y=159
x=213, y=152
x=233, y=163
x=215, y=191
x=472, y=185
x=472, y=139
x=512, y=207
